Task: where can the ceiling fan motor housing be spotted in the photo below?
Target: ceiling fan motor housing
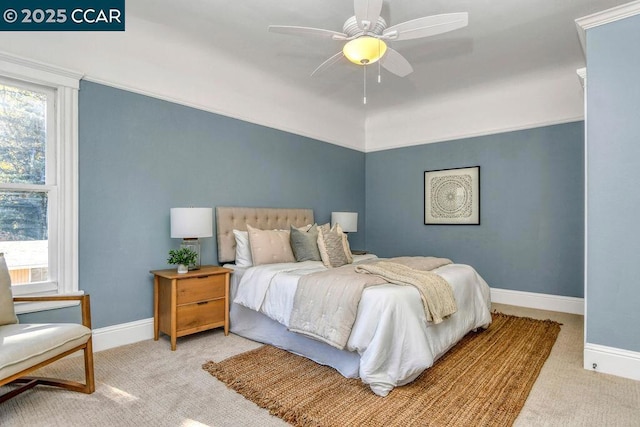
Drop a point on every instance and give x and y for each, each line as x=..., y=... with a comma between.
x=351, y=27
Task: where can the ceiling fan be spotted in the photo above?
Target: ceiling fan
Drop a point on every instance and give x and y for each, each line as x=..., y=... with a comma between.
x=366, y=34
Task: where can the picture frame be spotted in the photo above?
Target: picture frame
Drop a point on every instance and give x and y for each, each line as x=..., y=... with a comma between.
x=452, y=196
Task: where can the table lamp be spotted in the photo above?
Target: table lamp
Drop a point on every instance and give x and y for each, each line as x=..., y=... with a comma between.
x=348, y=221
x=190, y=224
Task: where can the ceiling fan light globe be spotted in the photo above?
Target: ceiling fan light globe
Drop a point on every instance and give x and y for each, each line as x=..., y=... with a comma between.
x=364, y=50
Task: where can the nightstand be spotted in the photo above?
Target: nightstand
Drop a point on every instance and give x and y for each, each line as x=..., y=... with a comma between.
x=190, y=302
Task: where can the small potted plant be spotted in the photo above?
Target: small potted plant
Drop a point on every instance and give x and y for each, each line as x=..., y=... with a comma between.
x=183, y=257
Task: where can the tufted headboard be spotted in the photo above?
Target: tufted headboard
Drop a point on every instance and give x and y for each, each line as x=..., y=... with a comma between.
x=237, y=218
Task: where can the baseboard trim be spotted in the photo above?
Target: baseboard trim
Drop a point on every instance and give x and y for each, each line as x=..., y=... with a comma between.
x=538, y=301
x=122, y=334
x=610, y=360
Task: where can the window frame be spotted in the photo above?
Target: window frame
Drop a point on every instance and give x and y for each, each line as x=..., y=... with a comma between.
x=62, y=184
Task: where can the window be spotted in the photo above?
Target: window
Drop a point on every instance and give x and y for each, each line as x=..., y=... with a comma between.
x=28, y=185
x=38, y=178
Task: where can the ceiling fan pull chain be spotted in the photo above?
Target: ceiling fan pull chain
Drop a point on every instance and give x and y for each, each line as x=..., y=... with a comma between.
x=364, y=99
x=379, y=60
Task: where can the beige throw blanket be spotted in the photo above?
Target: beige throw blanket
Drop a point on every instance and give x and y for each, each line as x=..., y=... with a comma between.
x=326, y=303
x=437, y=296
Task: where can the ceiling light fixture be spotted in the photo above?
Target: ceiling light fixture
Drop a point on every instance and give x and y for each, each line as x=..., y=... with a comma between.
x=364, y=50
x=366, y=32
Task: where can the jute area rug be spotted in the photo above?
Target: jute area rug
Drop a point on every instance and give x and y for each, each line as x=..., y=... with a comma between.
x=483, y=381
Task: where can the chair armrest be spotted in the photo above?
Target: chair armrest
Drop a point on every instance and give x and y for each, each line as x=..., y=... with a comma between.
x=85, y=303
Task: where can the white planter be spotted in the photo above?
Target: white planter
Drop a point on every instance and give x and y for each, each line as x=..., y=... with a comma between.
x=183, y=268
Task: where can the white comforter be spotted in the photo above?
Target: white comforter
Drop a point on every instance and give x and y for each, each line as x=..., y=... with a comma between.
x=391, y=333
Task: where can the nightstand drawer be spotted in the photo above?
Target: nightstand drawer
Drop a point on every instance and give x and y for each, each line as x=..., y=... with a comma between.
x=200, y=288
x=200, y=315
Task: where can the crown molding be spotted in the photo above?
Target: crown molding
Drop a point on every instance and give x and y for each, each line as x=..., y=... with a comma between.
x=19, y=67
x=582, y=76
x=604, y=17
x=483, y=132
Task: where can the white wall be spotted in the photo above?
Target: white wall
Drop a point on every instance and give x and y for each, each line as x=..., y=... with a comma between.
x=526, y=101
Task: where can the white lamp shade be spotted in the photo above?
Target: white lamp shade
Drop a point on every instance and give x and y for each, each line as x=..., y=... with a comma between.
x=191, y=222
x=348, y=221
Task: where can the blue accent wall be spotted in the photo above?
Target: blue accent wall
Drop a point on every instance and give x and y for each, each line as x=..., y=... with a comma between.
x=613, y=174
x=531, y=236
x=140, y=156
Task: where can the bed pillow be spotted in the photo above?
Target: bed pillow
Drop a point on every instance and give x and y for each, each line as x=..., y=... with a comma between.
x=334, y=247
x=7, y=312
x=270, y=246
x=325, y=227
x=305, y=228
x=243, y=250
x=304, y=243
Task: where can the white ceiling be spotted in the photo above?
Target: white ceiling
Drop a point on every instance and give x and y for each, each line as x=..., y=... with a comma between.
x=513, y=67
x=504, y=39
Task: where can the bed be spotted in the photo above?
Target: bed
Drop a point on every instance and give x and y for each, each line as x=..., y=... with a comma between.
x=390, y=344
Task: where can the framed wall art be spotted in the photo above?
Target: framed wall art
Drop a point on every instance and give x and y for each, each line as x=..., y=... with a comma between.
x=452, y=196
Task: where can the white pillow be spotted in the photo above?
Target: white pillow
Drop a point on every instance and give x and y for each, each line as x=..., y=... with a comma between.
x=243, y=249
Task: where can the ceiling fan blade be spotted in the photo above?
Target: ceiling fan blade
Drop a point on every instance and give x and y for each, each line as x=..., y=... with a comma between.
x=395, y=63
x=367, y=12
x=306, y=31
x=426, y=26
x=328, y=63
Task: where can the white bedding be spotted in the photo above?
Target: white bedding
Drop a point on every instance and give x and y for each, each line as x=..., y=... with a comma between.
x=391, y=334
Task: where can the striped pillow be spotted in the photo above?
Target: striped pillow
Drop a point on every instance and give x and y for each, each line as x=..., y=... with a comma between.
x=334, y=247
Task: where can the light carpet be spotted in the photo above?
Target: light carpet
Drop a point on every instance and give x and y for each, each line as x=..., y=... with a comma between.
x=146, y=383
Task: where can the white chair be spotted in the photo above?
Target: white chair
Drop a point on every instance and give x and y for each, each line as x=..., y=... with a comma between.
x=27, y=347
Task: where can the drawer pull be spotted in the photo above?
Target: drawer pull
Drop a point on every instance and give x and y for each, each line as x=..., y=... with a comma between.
x=202, y=302
x=203, y=277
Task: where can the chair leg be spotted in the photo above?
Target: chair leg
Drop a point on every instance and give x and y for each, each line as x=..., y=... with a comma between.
x=88, y=368
x=29, y=383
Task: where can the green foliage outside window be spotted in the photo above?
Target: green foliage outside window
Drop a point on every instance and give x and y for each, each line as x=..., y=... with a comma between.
x=23, y=125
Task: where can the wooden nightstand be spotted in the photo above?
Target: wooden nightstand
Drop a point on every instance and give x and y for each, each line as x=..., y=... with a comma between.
x=190, y=302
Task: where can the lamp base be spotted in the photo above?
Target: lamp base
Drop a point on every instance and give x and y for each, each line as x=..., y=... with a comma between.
x=194, y=245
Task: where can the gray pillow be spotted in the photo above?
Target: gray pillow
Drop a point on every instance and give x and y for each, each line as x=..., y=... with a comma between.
x=305, y=244
x=7, y=312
